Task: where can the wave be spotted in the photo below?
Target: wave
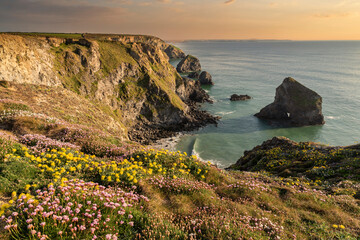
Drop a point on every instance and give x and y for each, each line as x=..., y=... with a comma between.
x=197, y=154
x=332, y=117
x=224, y=113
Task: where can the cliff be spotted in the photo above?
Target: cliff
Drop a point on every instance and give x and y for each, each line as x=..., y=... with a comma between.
x=130, y=76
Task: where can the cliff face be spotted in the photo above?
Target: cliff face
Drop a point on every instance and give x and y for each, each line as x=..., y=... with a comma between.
x=129, y=74
x=24, y=60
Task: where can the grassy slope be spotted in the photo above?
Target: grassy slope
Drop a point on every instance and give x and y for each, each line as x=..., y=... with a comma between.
x=207, y=203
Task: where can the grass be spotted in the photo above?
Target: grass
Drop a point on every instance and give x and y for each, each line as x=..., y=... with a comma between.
x=183, y=197
x=313, y=161
x=113, y=55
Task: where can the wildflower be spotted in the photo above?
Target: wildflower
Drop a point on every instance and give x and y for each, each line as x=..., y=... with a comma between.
x=131, y=224
x=335, y=226
x=42, y=224
x=13, y=195
x=342, y=226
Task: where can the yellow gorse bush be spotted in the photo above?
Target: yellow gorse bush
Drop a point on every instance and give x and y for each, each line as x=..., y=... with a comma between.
x=57, y=164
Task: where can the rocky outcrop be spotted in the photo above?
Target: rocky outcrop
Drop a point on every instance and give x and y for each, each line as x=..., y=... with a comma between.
x=205, y=78
x=189, y=89
x=285, y=158
x=236, y=97
x=133, y=79
x=295, y=105
x=170, y=50
x=189, y=64
x=174, y=52
x=194, y=75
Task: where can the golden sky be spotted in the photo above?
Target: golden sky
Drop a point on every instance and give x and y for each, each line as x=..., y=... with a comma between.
x=189, y=19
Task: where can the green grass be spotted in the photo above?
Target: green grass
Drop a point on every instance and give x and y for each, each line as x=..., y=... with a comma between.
x=222, y=205
x=113, y=55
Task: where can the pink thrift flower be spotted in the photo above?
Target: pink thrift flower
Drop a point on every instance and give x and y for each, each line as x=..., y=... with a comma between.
x=42, y=224
x=131, y=224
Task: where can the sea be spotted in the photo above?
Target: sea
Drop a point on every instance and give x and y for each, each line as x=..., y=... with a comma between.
x=257, y=68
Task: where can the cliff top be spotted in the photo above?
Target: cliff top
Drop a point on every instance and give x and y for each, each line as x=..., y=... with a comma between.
x=94, y=36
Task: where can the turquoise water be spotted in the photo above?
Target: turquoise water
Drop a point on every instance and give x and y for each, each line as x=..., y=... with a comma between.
x=256, y=68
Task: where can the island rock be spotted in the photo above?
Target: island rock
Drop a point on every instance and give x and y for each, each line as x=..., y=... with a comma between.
x=236, y=97
x=295, y=105
x=205, y=78
x=189, y=64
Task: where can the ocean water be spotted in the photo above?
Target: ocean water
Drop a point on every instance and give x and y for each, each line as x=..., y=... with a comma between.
x=256, y=68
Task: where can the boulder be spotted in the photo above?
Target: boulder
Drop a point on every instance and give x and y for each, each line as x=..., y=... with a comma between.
x=189, y=64
x=294, y=104
x=236, y=97
x=205, y=78
x=194, y=75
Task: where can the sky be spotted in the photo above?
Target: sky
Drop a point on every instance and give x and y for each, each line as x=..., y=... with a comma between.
x=188, y=19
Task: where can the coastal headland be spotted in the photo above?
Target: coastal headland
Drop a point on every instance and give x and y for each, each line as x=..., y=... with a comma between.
x=76, y=114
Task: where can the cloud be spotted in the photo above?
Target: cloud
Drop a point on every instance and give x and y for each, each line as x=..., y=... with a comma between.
x=49, y=15
x=228, y=2
x=273, y=4
x=164, y=1
x=333, y=15
x=145, y=4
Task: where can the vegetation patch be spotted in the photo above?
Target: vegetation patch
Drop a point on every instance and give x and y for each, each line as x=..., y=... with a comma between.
x=113, y=54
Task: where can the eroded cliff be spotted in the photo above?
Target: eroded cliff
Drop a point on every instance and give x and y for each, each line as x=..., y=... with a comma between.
x=130, y=75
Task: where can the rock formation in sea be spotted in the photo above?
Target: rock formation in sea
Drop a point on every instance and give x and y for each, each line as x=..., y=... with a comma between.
x=194, y=75
x=236, y=97
x=205, y=78
x=294, y=104
x=189, y=64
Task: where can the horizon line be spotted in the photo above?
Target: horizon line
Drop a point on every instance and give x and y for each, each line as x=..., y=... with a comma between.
x=192, y=39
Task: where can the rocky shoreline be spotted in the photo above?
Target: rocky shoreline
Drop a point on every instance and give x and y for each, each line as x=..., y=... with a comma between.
x=148, y=133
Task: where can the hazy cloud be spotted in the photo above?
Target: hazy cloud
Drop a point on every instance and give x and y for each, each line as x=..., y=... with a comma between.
x=49, y=15
x=144, y=4
x=333, y=15
x=164, y=1
x=273, y=4
x=228, y=2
